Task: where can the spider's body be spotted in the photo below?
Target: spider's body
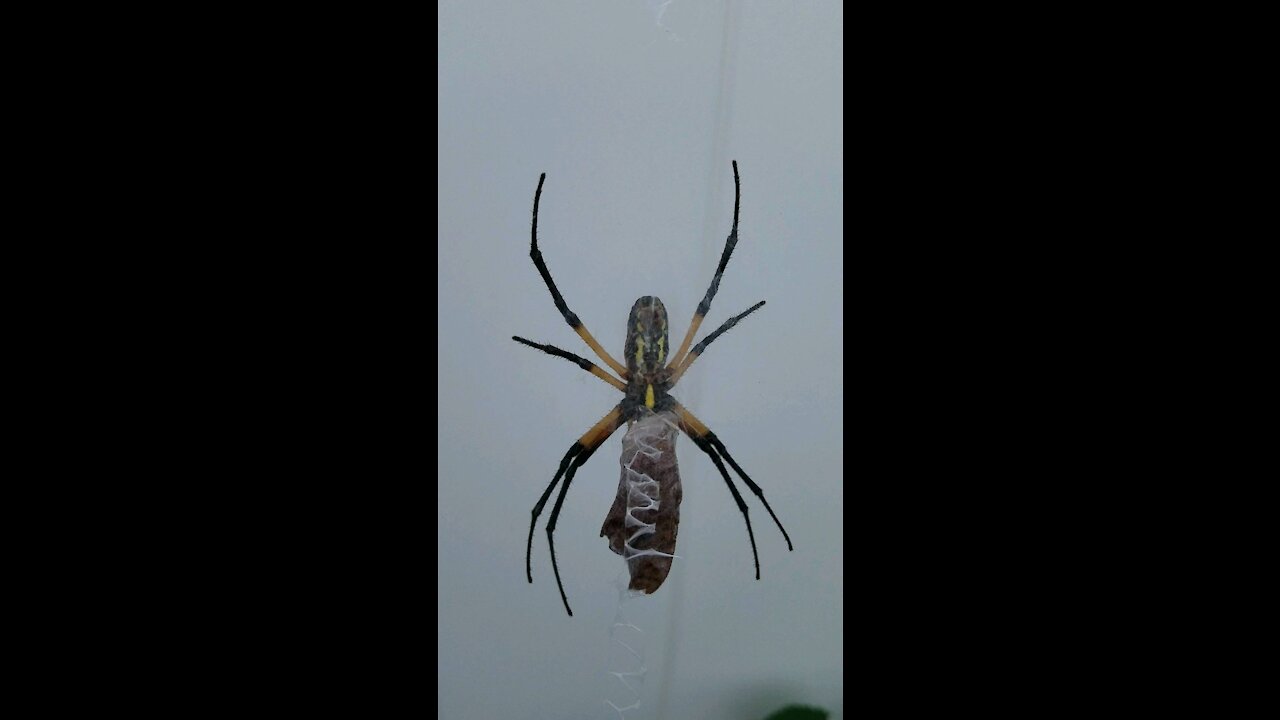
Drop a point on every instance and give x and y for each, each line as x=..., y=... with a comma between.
x=648, y=379
x=649, y=464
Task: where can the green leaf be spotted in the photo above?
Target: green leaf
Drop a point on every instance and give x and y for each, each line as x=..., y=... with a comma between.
x=799, y=712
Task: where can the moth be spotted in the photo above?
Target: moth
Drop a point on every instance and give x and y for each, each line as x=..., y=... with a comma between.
x=643, y=522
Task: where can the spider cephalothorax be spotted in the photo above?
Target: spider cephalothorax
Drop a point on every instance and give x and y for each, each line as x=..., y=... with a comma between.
x=648, y=379
x=650, y=372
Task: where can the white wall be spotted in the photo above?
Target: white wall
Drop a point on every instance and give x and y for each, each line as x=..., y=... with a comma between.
x=635, y=123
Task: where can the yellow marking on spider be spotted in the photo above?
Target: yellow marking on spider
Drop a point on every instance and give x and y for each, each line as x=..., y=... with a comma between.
x=648, y=397
x=639, y=351
x=662, y=350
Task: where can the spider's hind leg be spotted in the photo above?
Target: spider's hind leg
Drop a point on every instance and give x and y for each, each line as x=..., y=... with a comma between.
x=710, y=444
x=705, y=447
x=578, y=455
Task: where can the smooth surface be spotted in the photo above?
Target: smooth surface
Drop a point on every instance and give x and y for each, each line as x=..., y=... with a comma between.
x=635, y=123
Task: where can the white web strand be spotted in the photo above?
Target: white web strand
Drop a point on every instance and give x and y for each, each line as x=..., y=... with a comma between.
x=659, y=8
x=643, y=492
x=632, y=680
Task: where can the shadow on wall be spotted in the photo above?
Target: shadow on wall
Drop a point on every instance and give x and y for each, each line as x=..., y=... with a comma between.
x=756, y=700
x=799, y=712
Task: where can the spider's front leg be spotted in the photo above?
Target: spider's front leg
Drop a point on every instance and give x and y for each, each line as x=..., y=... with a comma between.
x=678, y=372
x=581, y=362
x=578, y=455
x=569, y=316
x=704, y=306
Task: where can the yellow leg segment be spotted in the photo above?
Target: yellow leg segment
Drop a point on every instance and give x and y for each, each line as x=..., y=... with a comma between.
x=601, y=430
x=600, y=351
x=684, y=346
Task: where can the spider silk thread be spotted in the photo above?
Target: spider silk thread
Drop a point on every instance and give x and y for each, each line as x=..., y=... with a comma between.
x=643, y=493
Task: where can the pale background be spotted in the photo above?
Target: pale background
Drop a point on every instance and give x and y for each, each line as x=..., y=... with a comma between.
x=634, y=111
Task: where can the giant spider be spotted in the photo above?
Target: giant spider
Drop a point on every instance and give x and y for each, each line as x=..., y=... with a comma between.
x=647, y=403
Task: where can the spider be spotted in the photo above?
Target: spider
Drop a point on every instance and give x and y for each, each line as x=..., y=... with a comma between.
x=647, y=404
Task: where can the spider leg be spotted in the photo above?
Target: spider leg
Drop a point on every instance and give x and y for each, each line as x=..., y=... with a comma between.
x=698, y=431
x=705, y=305
x=581, y=362
x=697, y=349
x=563, y=307
x=705, y=447
x=715, y=441
x=578, y=454
x=542, y=501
